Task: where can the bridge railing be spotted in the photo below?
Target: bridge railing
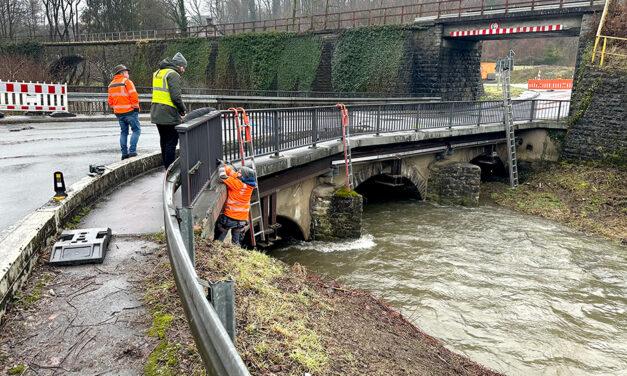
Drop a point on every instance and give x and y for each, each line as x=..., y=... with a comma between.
x=277, y=130
x=394, y=15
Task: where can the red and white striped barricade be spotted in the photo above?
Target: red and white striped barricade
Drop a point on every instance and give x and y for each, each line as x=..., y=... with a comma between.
x=23, y=96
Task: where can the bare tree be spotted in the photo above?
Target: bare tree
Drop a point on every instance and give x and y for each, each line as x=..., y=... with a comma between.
x=11, y=13
x=60, y=15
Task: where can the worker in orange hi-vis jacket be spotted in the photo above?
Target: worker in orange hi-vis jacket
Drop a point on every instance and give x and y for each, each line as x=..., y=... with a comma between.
x=124, y=100
x=240, y=185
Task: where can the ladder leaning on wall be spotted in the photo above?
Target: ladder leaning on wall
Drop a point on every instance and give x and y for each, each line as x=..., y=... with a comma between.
x=346, y=138
x=246, y=147
x=508, y=120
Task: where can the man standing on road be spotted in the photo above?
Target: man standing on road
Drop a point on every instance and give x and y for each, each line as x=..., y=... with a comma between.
x=167, y=107
x=124, y=100
x=240, y=186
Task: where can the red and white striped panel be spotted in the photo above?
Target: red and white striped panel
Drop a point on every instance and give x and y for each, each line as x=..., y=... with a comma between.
x=31, y=88
x=507, y=30
x=22, y=96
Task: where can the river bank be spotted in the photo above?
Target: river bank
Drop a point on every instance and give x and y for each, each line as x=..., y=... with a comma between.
x=588, y=198
x=290, y=322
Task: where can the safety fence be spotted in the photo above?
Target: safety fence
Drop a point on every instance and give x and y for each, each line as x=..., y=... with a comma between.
x=28, y=96
x=394, y=15
x=550, y=84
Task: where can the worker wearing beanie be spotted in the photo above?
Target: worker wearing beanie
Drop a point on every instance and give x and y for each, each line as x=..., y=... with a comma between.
x=167, y=106
x=240, y=186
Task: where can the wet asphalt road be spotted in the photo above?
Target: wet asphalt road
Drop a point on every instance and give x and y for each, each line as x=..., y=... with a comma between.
x=30, y=153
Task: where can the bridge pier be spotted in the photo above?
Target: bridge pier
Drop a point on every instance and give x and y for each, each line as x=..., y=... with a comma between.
x=335, y=213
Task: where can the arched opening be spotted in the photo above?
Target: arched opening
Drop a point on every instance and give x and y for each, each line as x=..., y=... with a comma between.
x=289, y=229
x=492, y=167
x=288, y=232
x=383, y=187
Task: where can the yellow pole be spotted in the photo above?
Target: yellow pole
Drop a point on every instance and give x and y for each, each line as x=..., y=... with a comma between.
x=603, y=51
x=596, y=42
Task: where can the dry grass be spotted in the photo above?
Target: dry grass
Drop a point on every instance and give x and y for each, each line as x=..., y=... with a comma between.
x=590, y=199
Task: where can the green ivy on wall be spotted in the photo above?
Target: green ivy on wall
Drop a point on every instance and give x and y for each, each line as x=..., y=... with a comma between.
x=299, y=62
x=368, y=59
x=196, y=52
x=28, y=48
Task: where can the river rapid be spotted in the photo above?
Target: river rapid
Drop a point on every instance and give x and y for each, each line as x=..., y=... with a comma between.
x=518, y=294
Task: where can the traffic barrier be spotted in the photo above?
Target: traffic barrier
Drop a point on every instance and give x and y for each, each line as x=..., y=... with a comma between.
x=550, y=84
x=28, y=96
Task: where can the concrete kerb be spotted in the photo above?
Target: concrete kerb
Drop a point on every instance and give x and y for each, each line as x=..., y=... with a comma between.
x=21, y=243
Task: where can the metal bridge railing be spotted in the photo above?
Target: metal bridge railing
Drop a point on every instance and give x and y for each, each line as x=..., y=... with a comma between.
x=277, y=130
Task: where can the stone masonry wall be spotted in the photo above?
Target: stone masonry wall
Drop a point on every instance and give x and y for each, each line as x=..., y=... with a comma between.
x=334, y=216
x=455, y=184
x=598, y=116
x=427, y=66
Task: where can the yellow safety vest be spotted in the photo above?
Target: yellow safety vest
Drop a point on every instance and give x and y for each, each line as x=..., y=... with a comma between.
x=160, y=90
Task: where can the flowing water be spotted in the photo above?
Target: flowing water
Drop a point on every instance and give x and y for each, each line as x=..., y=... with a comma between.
x=516, y=293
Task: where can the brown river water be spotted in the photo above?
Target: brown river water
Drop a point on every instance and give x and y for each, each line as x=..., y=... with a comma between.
x=516, y=293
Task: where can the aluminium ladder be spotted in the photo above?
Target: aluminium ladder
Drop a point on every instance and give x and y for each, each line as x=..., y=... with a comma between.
x=346, y=138
x=246, y=146
x=508, y=120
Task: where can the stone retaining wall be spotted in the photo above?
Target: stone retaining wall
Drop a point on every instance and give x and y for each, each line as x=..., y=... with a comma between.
x=598, y=116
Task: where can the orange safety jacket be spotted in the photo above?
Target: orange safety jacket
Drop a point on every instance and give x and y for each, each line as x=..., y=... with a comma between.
x=237, y=203
x=123, y=97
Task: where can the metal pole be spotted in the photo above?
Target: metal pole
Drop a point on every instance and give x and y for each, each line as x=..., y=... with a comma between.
x=479, y=114
x=379, y=120
x=277, y=118
x=450, y=117
x=187, y=232
x=533, y=110
x=314, y=127
x=559, y=110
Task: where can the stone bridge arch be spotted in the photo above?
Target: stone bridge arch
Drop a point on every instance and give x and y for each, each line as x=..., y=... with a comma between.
x=364, y=172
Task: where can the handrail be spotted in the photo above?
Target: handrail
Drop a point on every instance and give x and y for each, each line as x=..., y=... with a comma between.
x=399, y=14
x=212, y=341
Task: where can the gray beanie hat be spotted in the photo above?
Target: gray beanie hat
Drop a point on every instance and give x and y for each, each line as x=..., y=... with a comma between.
x=179, y=60
x=247, y=172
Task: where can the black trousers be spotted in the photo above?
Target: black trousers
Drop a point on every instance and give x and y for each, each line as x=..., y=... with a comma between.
x=168, y=138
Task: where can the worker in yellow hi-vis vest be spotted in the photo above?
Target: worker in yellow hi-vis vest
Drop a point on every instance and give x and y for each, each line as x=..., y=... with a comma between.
x=167, y=108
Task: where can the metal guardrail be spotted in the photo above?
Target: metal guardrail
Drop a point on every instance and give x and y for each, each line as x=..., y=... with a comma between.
x=212, y=341
x=395, y=15
x=89, y=102
x=257, y=93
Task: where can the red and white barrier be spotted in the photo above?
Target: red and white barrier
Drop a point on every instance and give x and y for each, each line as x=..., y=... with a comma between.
x=23, y=96
x=550, y=84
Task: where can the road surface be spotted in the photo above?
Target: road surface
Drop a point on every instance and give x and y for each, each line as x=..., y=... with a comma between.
x=30, y=153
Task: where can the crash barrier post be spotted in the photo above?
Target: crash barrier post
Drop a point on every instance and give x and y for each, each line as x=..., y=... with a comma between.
x=214, y=344
x=550, y=84
x=28, y=96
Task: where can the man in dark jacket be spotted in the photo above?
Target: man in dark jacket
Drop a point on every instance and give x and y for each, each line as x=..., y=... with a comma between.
x=167, y=106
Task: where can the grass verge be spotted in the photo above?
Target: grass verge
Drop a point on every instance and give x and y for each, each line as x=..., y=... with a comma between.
x=491, y=93
x=589, y=198
x=292, y=323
